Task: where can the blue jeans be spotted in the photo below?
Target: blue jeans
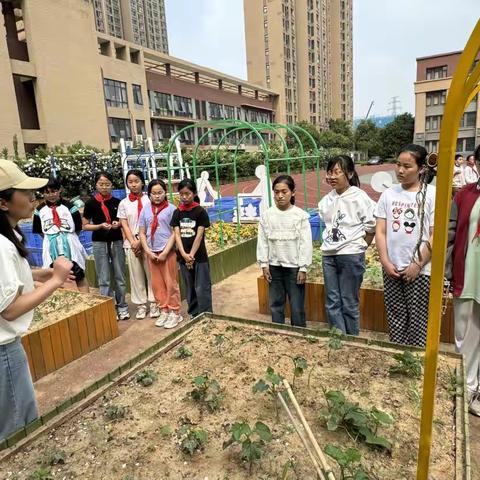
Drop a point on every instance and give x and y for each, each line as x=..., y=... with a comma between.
x=199, y=287
x=284, y=282
x=343, y=276
x=110, y=263
x=18, y=406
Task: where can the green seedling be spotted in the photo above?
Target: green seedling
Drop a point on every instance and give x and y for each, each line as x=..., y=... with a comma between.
x=206, y=392
x=222, y=343
x=287, y=466
x=56, y=457
x=349, y=462
x=115, y=412
x=252, y=440
x=455, y=383
x=271, y=384
x=146, y=377
x=359, y=423
x=183, y=352
x=41, y=473
x=408, y=364
x=191, y=439
x=334, y=340
x=164, y=431
x=415, y=396
x=300, y=365
x=311, y=339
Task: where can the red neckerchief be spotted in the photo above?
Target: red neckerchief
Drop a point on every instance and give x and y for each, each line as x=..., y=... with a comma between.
x=186, y=208
x=156, y=209
x=132, y=197
x=102, y=200
x=56, y=217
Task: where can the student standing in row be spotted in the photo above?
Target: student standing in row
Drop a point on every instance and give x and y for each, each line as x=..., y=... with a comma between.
x=18, y=297
x=284, y=252
x=189, y=223
x=470, y=170
x=458, y=175
x=463, y=267
x=129, y=211
x=59, y=221
x=405, y=215
x=100, y=217
x=348, y=213
x=158, y=241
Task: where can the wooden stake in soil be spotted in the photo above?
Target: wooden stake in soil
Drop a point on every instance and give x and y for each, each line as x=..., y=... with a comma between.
x=302, y=437
x=306, y=426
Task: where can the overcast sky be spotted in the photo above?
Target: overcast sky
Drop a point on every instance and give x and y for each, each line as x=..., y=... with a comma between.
x=388, y=35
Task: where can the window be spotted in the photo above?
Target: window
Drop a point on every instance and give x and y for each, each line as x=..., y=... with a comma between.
x=229, y=111
x=433, y=122
x=216, y=111
x=183, y=106
x=162, y=104
x=137, y=94
x=115, y=93
x=165, y=131
x=436, y=72
x=119, y=128
x=466, y=144
x=431, y=145
x=436, y=98
x=469, y=119
x=140, y=125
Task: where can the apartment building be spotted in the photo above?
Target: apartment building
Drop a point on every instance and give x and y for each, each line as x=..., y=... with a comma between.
x=303, y=50
x=434, y=75
x=139, y=21
x=80, y=84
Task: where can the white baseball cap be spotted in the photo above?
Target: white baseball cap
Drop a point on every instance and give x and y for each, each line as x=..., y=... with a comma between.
x=12, y=177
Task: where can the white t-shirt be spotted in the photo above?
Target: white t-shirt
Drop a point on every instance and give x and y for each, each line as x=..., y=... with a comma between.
x=470, y=173
x=400, y=210
x=16, y=277
x=348, y=217
x=129, y=211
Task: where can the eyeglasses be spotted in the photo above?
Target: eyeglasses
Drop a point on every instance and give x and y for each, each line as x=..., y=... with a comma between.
x=336, y=175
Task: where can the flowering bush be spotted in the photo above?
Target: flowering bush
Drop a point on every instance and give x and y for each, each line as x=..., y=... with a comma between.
x=76, y=165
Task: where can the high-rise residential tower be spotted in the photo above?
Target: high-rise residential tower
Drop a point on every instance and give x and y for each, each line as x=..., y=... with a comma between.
x=303, y=50
x=138, y=21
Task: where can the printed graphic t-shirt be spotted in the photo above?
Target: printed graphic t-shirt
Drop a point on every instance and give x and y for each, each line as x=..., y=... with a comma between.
x=188, y=222
x=400, y=210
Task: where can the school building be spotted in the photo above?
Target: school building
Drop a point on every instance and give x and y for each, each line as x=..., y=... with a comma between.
x=63, y=81
x=434, y=75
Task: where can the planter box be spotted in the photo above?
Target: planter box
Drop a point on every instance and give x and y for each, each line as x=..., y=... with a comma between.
x=372, y=309
x=83, y=414
x=53, y=346
x=222, y=264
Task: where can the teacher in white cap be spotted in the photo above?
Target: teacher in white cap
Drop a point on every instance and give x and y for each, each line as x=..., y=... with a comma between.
x=18, y=297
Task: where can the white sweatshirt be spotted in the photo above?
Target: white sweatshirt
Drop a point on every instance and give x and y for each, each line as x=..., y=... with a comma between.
x=348, y=217
x=470, y=174
x=285, y=238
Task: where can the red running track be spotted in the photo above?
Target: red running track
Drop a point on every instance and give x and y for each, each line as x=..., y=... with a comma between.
x=311, y=180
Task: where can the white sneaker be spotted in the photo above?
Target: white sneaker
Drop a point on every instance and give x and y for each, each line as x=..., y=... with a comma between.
x=173, y=320
x=123, y=315
x=162, y=319
x=154, y=310
x=474, y=404
x=141, y=312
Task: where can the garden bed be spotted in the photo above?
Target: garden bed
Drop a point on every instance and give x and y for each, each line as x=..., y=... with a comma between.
x=67, y=326
x=372, y=306
x=139, y=426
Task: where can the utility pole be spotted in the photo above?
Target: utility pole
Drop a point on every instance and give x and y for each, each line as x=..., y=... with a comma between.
x=395, y=106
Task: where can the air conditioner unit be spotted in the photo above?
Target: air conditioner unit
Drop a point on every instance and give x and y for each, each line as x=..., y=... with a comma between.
x=152, y=113
x=128, y=144
x=139, y=139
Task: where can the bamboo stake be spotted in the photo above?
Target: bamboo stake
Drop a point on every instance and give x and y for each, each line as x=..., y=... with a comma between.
x=302, y=437
x=318, y=451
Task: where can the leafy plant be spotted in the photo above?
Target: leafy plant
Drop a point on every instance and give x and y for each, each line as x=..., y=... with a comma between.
x=349, y=462
x=271, y=384
x=115, y=412
x=222, y=343
x=311, y=339
x=359, y=423
x=455, y=383
x=146, y=377
x=165, y=431
x=207, y=392
x=287, y=466
x=334, y=340
x=56, y=457
x=415, y=396
x=41, y=473
x=191, y=439
x=252, y=440
x=408, y=364
x=183, y=352
x=299, y=367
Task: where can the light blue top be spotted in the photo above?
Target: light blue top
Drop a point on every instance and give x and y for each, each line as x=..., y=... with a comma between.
x=163, y=232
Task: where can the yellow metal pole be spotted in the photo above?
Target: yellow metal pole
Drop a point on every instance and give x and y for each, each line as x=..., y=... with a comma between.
x=463, y=84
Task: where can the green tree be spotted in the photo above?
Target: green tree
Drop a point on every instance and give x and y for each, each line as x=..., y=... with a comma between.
x=342, y=127
x=367, y=138
x=306, y=142
x=396, y=134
